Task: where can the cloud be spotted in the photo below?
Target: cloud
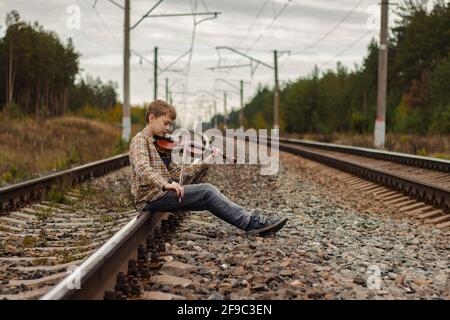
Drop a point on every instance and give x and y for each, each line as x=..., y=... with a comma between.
x=303, y=22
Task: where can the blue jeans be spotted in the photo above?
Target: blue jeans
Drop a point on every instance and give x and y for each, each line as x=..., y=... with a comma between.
x=199, y=197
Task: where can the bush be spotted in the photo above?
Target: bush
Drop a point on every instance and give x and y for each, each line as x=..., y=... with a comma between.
x=440, y=120
x=121, y=146
x=12, y=111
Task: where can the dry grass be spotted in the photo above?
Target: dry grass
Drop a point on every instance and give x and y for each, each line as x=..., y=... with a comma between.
x=31, y=147
x=425, y=145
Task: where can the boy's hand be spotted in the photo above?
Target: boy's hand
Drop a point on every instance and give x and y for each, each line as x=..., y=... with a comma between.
x=175, y=187
x=215, y=151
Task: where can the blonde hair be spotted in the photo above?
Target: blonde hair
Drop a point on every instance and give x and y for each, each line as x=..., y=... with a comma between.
x=160, y=108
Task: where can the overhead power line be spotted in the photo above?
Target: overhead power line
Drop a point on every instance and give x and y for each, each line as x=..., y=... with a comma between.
x=263, y=32
x=350, y=46
x=146, y=14
x=253, y=23
x=269, y=26
x=329, y=32
x=105, y=25
x=115, y=3
x=110, y=39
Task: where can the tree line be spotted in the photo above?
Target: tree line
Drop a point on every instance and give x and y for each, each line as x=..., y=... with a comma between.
x=40, y=75
x=343, y=100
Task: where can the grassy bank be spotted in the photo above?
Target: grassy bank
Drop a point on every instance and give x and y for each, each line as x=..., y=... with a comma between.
x=437, y=146
x=30, y=147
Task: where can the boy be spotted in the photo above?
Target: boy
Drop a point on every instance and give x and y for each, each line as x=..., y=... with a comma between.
x=154, y=185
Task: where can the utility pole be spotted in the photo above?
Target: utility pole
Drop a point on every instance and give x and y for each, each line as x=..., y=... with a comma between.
x=276, y=100
x=380, y=122
x=155, y=74
x=126, y=120
x=240, y=90
x=214, y=105
x=215, y=113
x=241, y=113
x=253, y=64
x=167, y=90
x=210, y=113
x=9, y=85
x=225, y=110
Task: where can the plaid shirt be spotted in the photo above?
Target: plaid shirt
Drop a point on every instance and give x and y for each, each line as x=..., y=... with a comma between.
x=149, y=173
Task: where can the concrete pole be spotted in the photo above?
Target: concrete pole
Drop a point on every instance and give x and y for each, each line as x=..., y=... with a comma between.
x=241, y=113
x=225, y=110
x=276, y=104
x=155, y=74
x=126, y=119
x=380, y=122
x=167, y=90
x=215, y=113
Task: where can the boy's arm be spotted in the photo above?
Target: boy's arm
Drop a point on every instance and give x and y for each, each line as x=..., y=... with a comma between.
x=139, y=158
x=189, y=171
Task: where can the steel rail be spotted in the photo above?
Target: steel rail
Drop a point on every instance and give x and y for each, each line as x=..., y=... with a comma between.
x=436, y=196
x=98, y=272
x=403, y=158
x=17, y=195
x=422, y=191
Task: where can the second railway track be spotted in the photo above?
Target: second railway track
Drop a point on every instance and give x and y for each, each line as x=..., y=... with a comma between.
x=422, y=188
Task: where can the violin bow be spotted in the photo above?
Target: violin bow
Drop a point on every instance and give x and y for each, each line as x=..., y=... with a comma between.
x=180, y=182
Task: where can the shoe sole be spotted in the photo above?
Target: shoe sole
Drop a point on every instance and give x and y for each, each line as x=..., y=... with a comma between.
x=269, y=229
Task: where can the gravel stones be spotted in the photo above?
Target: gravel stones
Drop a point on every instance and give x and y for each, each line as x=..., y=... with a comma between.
x=331, y=247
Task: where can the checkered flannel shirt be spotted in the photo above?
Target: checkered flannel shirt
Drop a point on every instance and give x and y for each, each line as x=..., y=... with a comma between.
x=149, y=173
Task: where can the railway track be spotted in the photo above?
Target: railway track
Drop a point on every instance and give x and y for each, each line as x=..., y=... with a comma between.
x=49, y=236
x=114, y=271
x=418, y=186
x=108, y=256
x=24, y=193
x=39, y=244
x=93, y=228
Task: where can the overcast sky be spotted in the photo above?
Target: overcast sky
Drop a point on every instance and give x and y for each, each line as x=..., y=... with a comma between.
x=315, y=31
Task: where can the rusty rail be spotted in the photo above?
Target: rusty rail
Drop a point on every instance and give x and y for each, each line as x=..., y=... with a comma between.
x=20, y=194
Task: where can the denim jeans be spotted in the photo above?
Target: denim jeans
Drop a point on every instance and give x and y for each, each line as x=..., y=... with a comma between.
x=199, y=197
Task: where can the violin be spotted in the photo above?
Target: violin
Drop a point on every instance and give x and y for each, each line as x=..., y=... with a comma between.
x=169, y=143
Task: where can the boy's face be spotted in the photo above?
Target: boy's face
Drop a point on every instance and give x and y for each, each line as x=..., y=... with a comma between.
x=160, y=125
